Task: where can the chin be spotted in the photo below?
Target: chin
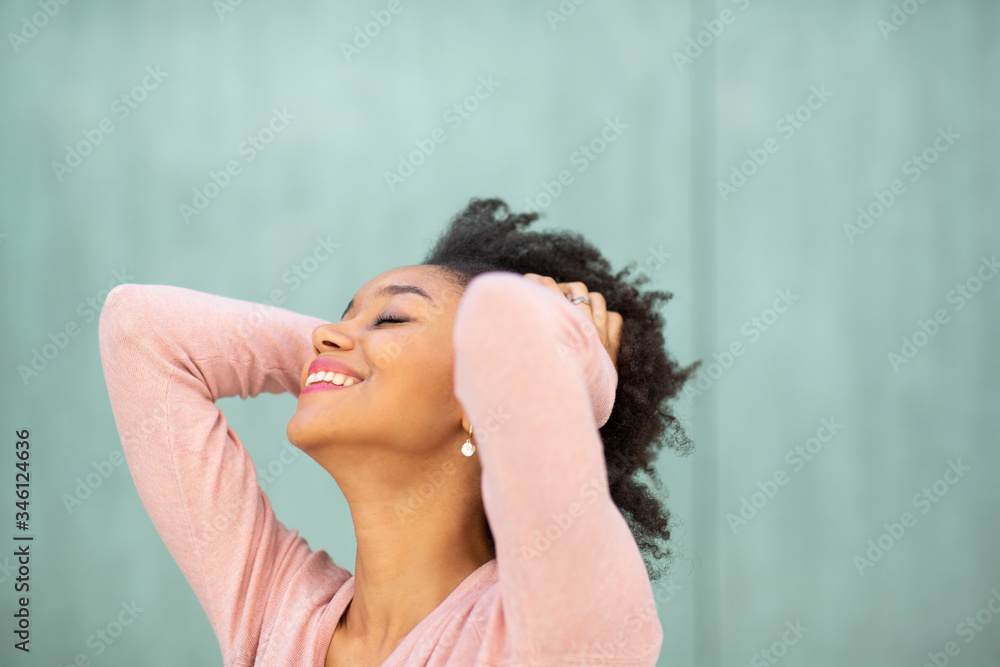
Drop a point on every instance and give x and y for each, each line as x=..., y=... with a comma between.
x=306, y=434
x=297, y=434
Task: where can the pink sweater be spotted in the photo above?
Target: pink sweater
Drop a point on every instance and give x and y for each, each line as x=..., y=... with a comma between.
x=567, y=586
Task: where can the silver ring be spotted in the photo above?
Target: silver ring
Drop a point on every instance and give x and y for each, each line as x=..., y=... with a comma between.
x=580, y=299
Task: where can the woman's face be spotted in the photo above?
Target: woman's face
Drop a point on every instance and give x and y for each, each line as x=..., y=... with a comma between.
x=405, y=403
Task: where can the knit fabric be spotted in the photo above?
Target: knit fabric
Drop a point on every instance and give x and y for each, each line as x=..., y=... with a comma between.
x=568, y=585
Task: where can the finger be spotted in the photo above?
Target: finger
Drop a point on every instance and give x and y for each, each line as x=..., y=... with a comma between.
x=545, y=281
x=575, y=289
x=615, y=324
x=591, y=310
x=599, y=310
x=596, y=308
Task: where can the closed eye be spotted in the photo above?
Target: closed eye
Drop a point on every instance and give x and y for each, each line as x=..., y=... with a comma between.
x=381, y=319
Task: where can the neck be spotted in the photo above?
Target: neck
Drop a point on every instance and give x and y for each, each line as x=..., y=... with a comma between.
x=420, y=533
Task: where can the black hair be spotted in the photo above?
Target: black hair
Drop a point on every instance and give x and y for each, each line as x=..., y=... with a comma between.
x=487, y=237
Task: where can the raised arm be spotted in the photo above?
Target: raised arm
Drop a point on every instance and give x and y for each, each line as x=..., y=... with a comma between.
x=168, y=354
x=536, y=381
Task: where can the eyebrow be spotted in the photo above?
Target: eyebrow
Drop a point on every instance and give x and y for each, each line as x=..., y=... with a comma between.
x=392, y=290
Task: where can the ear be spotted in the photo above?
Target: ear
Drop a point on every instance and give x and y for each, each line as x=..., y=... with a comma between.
x=466, y=424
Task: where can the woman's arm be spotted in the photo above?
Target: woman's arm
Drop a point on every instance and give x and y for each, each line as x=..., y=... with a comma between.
x=168, y=354
x=535, y=379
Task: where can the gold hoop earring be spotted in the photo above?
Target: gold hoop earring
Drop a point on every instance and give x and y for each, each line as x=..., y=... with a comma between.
x=468, y=448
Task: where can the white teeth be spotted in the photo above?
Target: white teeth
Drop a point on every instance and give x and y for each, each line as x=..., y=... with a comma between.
x=338, y=379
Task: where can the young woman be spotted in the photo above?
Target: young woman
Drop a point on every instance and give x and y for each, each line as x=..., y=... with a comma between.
x=464, y=407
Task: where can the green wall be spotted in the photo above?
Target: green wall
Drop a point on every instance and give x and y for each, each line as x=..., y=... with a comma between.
x=736, y=176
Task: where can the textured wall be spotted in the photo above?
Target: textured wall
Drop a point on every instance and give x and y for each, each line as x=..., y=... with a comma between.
x=750, y=135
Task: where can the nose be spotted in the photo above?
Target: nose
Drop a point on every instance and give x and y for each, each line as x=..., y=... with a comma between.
x=330, y=336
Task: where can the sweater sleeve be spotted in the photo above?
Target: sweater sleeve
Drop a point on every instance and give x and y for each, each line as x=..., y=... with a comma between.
x=168, y=354
x=536, y=382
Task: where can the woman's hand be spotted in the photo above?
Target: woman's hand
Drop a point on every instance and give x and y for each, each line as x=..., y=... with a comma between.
x=608, y=322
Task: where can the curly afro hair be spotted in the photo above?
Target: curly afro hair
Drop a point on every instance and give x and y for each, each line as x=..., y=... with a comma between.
x=486, y=237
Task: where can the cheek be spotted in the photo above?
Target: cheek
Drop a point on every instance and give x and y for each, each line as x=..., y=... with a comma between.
x=384, y=352
x=428, y=379
x=418, y=371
